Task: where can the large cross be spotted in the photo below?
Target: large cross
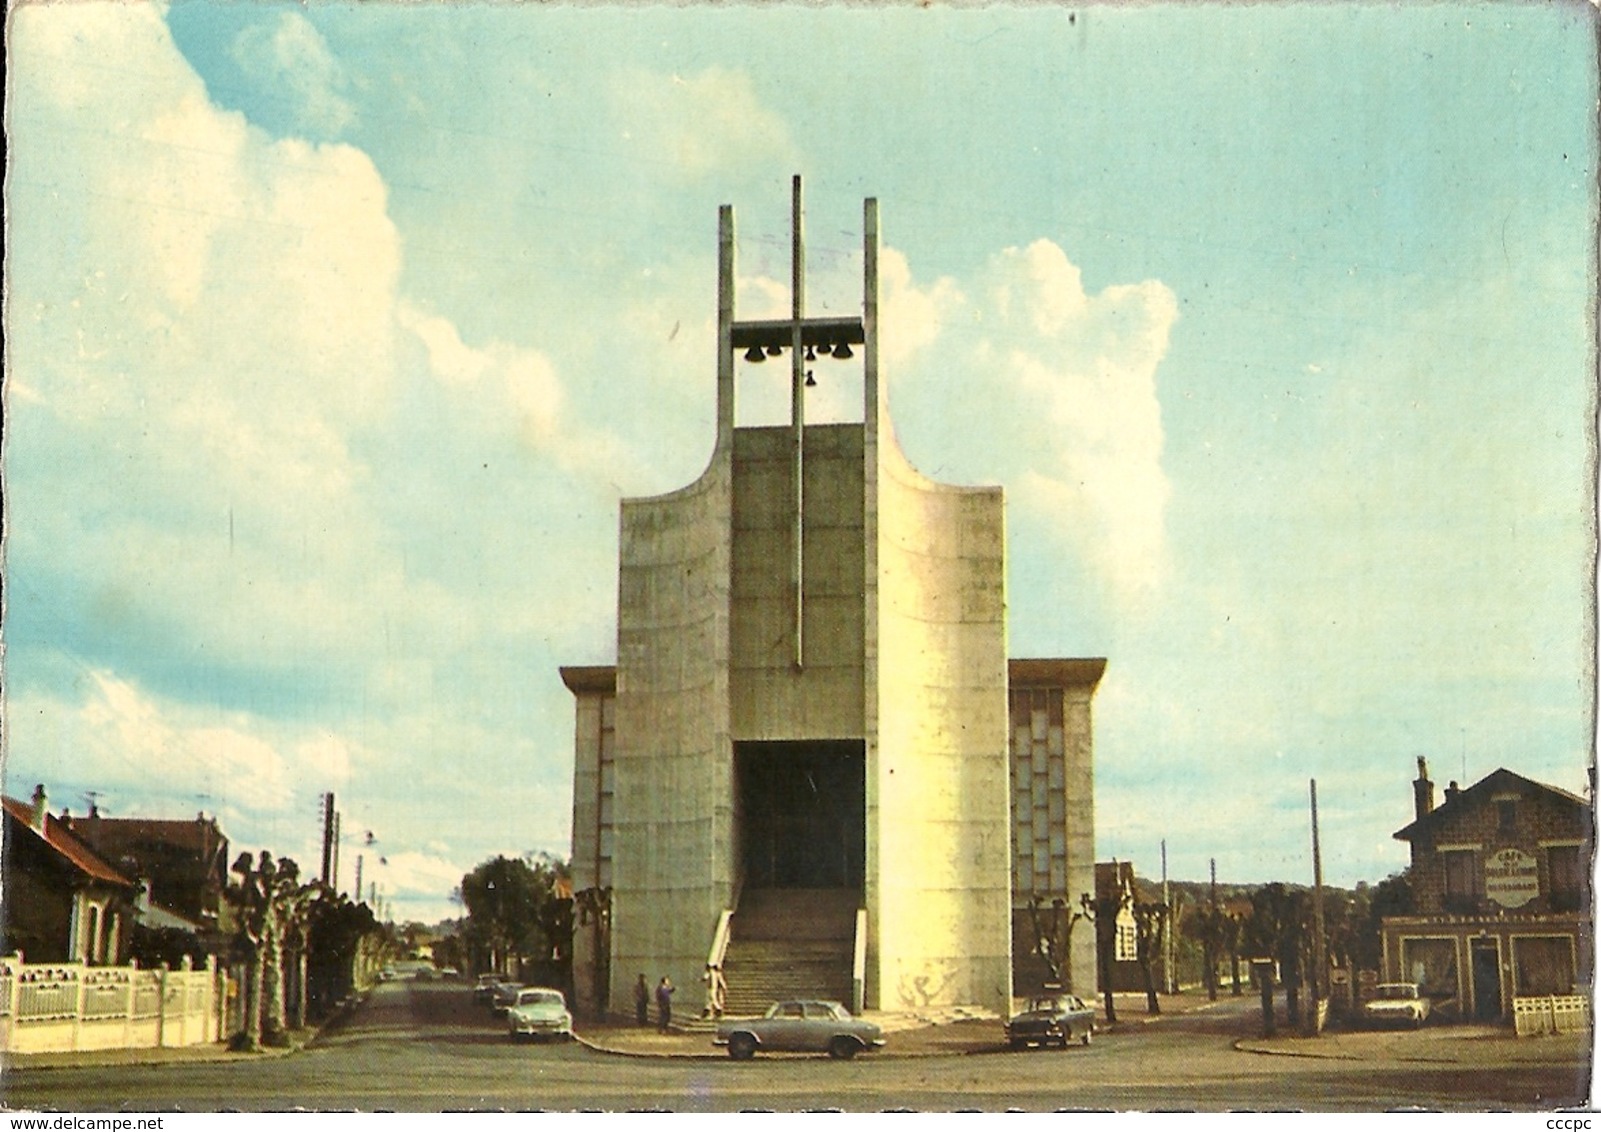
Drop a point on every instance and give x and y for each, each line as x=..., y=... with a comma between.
x=804, y=338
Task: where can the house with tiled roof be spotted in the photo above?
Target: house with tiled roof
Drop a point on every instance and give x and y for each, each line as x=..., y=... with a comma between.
x=63, y=901
x=1501, y=889
x=182, y=863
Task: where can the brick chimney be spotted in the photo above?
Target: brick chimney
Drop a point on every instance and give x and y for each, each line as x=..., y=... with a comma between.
x=1423, y=789
x=41, y=807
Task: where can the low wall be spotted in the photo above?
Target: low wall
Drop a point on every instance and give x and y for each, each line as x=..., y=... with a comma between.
x=67, y=1007
x=1551, y=1014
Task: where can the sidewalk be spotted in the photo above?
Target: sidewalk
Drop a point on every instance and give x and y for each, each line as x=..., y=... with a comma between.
x=1460, y=1045
x=180, y=1055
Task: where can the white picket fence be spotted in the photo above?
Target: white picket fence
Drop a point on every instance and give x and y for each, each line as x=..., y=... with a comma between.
x=66, y=1007
x=1551, y=1014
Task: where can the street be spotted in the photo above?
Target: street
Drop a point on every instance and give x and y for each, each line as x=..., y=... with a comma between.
x=424, y=1046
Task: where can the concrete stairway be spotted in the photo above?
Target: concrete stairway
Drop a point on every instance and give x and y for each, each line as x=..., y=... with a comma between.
x=790, y=943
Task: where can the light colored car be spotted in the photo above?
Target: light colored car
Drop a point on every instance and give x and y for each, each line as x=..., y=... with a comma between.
x=800, y=1026
x=1396, y=1004
x=539, y=1012
x=1052, y=1019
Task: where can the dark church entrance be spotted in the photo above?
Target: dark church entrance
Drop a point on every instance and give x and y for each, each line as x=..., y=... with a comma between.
x=803, y=813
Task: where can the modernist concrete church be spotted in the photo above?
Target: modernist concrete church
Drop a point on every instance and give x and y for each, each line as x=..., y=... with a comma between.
x=813, y=764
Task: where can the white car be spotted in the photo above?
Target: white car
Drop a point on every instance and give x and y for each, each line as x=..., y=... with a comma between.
x=1396, y=1004
x=539, y=1012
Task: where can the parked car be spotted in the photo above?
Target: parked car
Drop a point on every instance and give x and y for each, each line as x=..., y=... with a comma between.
x=1396, y=1004
x=539, y=1012
x=503, y=996
x=485, y=986
x=1052, y=1019
x=804, y=1026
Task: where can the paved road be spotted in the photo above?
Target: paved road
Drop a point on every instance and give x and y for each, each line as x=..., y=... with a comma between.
x=426, y=1047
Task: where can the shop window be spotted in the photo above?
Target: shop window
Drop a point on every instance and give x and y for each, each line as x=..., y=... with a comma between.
x=1544, y=964
x=1431, y=963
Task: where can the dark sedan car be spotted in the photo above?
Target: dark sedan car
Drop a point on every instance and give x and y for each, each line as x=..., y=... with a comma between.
x=1052, y=1019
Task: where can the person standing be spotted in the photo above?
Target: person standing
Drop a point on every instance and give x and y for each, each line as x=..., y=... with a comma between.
x=664, y=1003
x=642, y=1001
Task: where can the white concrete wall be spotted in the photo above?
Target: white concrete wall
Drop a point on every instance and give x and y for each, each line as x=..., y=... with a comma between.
x=939, y=898
x=673, y=822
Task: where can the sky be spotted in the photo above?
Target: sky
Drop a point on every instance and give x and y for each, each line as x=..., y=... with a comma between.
x=336, y=333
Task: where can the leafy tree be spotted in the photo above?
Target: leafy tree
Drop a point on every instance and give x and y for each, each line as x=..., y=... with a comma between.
x=1392, y=896
x=514, y=911
x=1278, y=928
x=449, y=951
x=339, y=935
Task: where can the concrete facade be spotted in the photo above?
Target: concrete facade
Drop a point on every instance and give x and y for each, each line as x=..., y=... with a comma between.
x=814, y=610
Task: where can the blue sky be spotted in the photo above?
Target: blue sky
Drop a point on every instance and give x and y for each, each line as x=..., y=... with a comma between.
x=337, y=331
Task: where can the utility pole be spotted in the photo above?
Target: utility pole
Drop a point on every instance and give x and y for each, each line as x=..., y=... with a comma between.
x=358, y=878
x=334, y=877
x=1319, y=957
x=327, y=837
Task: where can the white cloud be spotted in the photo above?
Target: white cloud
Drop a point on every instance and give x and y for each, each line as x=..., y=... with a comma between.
x=1073, y=425
x=254, y=475
x=289, y=54
x=913, y=316
x=505, y=380
x=699, y=124
x=128, y=742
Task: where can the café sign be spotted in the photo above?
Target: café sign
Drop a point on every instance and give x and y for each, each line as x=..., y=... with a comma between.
x=1511, y=878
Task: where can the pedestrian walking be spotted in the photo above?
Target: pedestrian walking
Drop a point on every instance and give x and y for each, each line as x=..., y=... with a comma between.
x=664, y=1003
x=642, y=1001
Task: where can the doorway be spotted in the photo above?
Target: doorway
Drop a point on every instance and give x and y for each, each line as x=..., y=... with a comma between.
x=802, y=813
x=1486, y=979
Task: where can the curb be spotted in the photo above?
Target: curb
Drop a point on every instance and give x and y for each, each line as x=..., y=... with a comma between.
x=1246, y=1045
x=611, y=1051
